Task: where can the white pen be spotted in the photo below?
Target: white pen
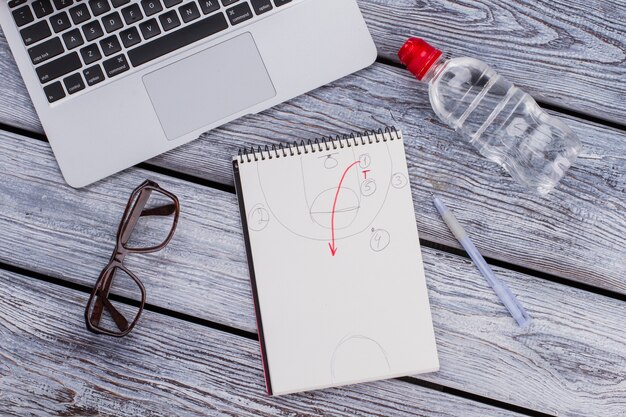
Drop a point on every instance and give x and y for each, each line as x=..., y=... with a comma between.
x=501, y=289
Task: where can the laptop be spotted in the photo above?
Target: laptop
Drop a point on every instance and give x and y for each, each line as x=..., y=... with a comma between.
x=116, y=82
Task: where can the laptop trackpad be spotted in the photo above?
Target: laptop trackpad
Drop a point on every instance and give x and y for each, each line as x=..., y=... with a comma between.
x=209, y=86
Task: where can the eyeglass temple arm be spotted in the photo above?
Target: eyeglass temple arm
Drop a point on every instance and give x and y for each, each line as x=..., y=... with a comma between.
x=102, y=295
x=135, y=214
x=139, y=211
x=106, y=280
x=101, y=302
x=118, y=318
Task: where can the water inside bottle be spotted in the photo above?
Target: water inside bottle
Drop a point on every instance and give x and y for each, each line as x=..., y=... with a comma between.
x=504, y=124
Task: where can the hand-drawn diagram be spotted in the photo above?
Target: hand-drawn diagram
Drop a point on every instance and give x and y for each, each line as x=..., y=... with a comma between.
x=333, y=213
x=368, y=187
x=313, y=182
x=399, y=180
x=329, y=161
x=321, y=209
x=379, y=240
x=358, y=356
x=258, y=218
x=365, y=160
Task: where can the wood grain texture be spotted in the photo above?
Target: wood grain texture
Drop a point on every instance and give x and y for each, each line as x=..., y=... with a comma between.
x=570, y=362
x=75, y=233
x=577, y=232
x=568, y=53
x=16, y=107
x=51, y=365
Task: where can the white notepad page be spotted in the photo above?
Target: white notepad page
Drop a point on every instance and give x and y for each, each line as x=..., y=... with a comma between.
x=362, y=314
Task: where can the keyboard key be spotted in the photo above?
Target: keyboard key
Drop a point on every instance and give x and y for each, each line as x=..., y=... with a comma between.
x=99, y=7
x=110, y=45
x=132, y=14
x=178, y=39
x=112, y=22
x=23, y=16
x=73, y=39
x=261, y=6
x=58, y=68
x=93, y=75
x=46, y=50
x=79, y=14
x=209, y=6
x=35, y=33
x=60, y=22
x=92, y=30
x=74, y=83
x=42, y=8
x=54, y=92
x=189, y=12
x=171, y=3
x=130, y=37
x=116, y=65
x=90, y=54
x=229, y=2
x=15, y=3
x=118, y=3
x=61, y=4
x=151, y=7
x=239, y=13
x=169, y=20
x=149, y=29
x=281, y=2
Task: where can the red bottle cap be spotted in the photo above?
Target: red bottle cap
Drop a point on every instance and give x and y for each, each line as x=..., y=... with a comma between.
x=418, y=56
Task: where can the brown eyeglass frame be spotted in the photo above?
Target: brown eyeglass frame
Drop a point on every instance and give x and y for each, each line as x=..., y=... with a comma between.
x=134, y=210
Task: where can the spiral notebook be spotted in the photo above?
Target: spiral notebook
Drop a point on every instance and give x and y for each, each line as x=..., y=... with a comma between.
x=335, y=262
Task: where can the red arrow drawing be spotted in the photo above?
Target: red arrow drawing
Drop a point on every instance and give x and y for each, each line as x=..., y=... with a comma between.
x=331, y=245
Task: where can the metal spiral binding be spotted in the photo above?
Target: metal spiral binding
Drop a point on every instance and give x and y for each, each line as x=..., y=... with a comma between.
x=321, y=144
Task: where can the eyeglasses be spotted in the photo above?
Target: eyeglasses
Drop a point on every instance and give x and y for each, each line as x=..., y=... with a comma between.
x=147, y=226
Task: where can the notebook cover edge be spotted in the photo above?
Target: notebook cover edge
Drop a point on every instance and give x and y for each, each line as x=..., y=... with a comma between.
x=255, y=294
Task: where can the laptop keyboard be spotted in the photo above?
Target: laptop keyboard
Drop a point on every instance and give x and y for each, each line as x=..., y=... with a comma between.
x=77, y=44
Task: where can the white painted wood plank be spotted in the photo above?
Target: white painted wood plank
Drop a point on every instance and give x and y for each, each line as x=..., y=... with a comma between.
x=568, y=53
x=51, y=365
x=577, y=232
x=572, y=361
x=583, y=218
x=16, y=108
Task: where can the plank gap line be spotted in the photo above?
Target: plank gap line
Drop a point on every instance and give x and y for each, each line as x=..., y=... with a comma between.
x=544, y=105
x=528, y=271
x=23, y=132
x=426, y=243
x=149, y=307
x=253, y=336
x=474, y=397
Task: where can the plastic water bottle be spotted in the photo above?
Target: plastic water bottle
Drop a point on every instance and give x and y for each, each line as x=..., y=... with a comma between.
x=501, y=121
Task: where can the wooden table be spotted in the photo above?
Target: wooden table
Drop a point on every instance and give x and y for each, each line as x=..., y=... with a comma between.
x=195, y=351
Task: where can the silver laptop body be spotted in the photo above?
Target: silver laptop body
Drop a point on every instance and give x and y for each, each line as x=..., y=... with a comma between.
x=116, y=82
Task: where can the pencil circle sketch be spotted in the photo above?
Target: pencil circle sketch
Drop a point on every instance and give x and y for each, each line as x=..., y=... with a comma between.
x=258, y=218
x=329, y=161
x=368, y=187
x=399, y=180
x=311, y=181
x=380, y=240
x=321, y=209
x=357, y=356
x=365, y=160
